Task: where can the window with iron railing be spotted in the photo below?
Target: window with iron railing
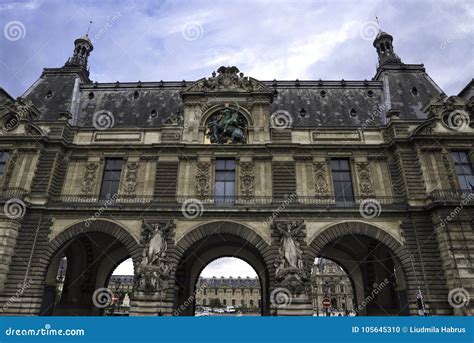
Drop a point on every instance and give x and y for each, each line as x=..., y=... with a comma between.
x=111, y=178
x=342, y=180
x=464, y=170
x=225, y=181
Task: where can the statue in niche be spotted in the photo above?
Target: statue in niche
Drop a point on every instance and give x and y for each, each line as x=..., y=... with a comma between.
x=290, y=272
x=153, y=270
x=226, y=126
x=290, y=253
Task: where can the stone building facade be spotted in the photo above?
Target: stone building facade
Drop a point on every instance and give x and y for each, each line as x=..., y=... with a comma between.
x=375, y=175
x=330, y=281
x=242, y=293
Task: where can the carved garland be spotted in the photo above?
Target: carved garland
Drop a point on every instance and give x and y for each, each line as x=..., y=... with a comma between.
x=202, y=179
x=131, y=179
x=10, y=168
x=449, y=170
x=247, y=180
x=90, y=177
x=320, y=179
x=365, y=178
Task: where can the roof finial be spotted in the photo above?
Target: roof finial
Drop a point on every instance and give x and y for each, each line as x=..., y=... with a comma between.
x=378, y=23
x=88, y=29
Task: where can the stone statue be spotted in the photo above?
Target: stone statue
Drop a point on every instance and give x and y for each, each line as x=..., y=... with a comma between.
x=153, y=270
x=290, y=250
x=290, y=272
x=157, y=244
x=226, y=126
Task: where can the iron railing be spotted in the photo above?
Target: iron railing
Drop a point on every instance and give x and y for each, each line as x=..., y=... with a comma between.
x=291, y=201
x=450, y=195
x=11, y=193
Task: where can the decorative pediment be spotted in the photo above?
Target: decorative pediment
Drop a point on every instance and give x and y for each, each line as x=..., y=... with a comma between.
x=11, y=114
x=228, y=79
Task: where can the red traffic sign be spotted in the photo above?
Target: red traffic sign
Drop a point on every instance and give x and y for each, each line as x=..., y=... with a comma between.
x=115, y=298
x=326, y=303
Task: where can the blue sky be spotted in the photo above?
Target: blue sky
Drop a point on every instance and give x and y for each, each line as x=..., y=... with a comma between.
x=174, y=40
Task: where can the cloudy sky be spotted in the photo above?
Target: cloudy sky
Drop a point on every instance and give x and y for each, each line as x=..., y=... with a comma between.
x=225, y=266
x=174, y=40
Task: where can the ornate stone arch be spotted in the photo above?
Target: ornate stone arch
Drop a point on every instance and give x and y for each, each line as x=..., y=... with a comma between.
x=319, y=241
x=213, y=109
x=104, y=226
x=255, y=251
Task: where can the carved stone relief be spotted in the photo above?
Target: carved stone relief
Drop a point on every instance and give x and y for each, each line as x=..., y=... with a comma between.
x=131, y=178
x=202, y=179
x=365, y=178
x=247, y=180
x=320, y=179
x=90, y=177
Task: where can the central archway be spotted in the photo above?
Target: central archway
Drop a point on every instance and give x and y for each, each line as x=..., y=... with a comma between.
x=209, y=242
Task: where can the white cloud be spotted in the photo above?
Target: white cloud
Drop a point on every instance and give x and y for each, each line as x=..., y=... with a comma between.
x=228, y=266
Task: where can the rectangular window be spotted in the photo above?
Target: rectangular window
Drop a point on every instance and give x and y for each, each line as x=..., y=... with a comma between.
x=342, y=181
x=464, y=169
x=225, y=181
x=111, y=178
x=3, y=161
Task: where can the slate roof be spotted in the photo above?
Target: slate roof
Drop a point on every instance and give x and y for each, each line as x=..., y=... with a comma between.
x=229, y=282
x=326, y=103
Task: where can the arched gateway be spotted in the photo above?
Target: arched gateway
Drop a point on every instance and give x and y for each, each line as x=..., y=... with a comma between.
x=375, y=262
x=92, y=251
x=210, y=241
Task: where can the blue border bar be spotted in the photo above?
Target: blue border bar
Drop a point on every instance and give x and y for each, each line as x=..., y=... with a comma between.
x=240, y=329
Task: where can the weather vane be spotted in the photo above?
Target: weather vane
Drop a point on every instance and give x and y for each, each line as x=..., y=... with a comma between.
x=88, y=29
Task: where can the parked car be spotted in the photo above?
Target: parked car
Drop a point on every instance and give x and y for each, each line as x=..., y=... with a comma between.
x=202, y=314
x=219, y=310
x=230, y=309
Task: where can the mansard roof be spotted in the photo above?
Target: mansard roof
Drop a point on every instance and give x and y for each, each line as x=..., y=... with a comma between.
x=229, y=282
x=312, y=103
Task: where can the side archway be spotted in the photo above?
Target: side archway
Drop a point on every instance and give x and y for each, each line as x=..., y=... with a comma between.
x=81, y=260
x=375, y=261
x=210, y=241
